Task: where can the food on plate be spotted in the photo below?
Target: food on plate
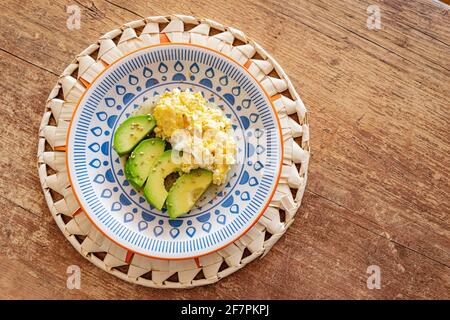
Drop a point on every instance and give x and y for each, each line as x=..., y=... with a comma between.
x=141, y=160
x=155, y=191
x=202, y=151
x=131, y=132
x=199, y=129
x=186, y=191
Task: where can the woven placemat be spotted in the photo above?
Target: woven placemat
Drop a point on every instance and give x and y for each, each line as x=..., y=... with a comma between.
x=74, y=223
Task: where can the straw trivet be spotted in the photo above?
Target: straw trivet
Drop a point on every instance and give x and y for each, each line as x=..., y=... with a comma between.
x=73, y=222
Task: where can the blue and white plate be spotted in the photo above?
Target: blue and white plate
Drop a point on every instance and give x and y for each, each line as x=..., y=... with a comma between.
x=224, y=213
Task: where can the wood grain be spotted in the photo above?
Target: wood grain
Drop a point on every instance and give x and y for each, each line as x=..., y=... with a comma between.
x=378, y=191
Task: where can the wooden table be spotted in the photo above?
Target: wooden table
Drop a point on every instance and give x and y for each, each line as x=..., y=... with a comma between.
x=378, y=189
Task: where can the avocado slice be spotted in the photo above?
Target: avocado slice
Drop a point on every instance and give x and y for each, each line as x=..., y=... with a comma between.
x=131, y=132
x=155, y=191
x=186, y=191
x=141, y=160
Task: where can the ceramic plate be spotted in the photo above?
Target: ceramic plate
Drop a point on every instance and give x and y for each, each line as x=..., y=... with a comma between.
x=224, y=213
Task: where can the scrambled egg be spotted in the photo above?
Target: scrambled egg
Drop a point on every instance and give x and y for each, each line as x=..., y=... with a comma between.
x=200, y=131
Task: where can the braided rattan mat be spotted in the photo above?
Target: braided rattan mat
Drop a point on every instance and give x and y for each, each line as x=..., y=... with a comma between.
x=73, y=222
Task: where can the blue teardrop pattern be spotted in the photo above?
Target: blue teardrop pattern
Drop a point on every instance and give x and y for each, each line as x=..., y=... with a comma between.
x=260, y=149
x=147, y=73
x=258, y=165
x=128, y=217
x=246, y=103
x=95, y=163
x=99, y=178
x=258, y=133
x=157, y=231
x=254, y=117
x=133, y=80
x=253, y=182
x=245, y=196
x=209, y=73
x=106, y=194
x=110, y=102
x=116, y=206
x=221, y=219
x=162, y=68
x=101, y=115
x=142, y=225
x=120, y=90
x=97, y=131
x=223, y=80
x=190, y=231
x=94, y=147
x=174, y=232
x=178, y=66
x=206, y=227
x=194, y=68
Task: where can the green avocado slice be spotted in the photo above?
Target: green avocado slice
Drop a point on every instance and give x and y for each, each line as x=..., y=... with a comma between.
x=142, y=159
x=155, y=192
x=131, y=132
x=186, y=191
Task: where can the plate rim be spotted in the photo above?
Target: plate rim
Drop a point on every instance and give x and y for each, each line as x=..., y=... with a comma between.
x=269, y=199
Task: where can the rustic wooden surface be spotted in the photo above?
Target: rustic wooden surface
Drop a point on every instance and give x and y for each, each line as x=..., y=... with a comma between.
x=378, y=189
